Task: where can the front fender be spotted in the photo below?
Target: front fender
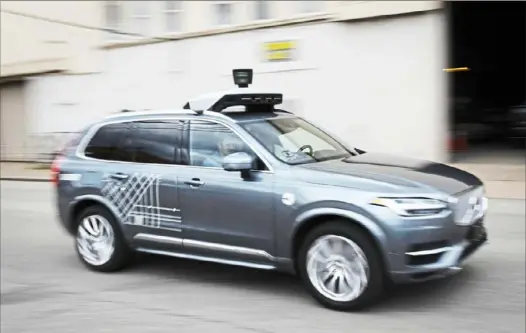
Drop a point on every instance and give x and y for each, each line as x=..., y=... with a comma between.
x=347, y=211
x=359, y=218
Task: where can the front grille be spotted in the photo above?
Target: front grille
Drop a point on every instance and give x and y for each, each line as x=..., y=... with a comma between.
x=465, y=201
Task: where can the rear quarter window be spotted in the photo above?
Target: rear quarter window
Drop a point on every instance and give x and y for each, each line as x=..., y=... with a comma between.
x=157, y=142
x=110, y=143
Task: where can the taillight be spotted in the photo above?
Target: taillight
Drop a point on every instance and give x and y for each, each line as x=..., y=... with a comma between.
x=55, y=165
x=55, y=169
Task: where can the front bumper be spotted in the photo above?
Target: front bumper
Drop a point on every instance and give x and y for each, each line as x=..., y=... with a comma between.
x=439, y=262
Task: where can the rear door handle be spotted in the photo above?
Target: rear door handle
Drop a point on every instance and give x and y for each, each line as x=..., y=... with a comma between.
x=194, y=182
x=119, y=175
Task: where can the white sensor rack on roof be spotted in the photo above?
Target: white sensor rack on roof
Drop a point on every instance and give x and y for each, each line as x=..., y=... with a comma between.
x=241, y=96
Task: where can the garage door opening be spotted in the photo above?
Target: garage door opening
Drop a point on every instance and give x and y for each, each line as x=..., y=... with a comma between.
x=487, y=78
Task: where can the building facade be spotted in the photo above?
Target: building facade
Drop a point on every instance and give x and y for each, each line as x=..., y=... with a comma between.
x=35, y=42
x=376, y=82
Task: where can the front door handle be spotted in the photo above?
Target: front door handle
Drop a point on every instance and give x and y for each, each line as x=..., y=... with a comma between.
x=119, y=175
x=194, y=182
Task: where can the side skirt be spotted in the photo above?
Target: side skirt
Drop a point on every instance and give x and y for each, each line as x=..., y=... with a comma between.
x=208, y=259
x=182, y=248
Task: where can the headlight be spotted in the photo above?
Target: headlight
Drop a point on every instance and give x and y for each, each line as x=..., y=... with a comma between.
x=412, y=207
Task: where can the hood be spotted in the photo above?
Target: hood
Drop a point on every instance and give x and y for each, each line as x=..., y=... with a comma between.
x=398, y=171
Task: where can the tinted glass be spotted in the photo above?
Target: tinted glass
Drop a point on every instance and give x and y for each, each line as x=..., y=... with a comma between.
x=210, y=142
x=111, y=143
x=157, y=141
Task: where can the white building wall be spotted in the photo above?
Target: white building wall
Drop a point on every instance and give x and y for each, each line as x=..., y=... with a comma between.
x=43, y=36
x=34, y=42
x=377, y=84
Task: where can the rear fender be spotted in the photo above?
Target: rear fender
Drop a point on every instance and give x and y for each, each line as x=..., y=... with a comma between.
x=102, y=201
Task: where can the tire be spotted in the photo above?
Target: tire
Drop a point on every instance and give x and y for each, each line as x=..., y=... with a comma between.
x=111, y=260
x=354, y=239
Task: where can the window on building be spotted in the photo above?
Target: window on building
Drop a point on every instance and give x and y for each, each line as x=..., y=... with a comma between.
x=308, y=7
x=262, y=10
x=157, y=142
x=141, y=17
x=111, y=143
x=172, y=16
x=223, y=12
x=113, y=17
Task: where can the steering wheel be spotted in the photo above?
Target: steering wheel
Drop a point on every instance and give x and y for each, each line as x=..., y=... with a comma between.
x=302, y=148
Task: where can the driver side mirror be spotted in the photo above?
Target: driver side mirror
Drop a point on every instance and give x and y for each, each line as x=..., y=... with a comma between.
x=238, y=162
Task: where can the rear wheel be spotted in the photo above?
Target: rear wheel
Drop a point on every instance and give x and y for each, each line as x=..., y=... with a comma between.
x=99, y=241
x=341, y=267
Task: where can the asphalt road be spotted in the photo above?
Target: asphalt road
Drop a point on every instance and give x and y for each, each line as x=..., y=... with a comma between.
x=44, y=288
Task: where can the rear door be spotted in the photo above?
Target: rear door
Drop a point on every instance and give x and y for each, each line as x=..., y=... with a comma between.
x=152, y=200
x=107, y=165
x=136, y=162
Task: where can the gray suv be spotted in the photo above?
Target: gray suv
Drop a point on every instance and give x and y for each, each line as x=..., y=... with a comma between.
x=262, y=188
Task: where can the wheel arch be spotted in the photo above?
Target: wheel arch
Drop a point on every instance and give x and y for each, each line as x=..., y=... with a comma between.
x=313, y=218
x=84, y=201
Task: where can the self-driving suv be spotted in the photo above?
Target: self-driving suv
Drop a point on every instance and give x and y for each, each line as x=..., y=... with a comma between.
x=231, y=178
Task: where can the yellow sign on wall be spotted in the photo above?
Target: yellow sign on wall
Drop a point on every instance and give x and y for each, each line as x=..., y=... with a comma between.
x=280, y=50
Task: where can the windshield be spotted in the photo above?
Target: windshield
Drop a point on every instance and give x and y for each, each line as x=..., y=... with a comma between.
x=295, y=141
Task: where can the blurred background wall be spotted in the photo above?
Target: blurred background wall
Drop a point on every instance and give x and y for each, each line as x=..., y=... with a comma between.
x=369, y=71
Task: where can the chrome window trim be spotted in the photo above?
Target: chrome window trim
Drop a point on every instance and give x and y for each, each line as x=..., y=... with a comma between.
x=79, y=152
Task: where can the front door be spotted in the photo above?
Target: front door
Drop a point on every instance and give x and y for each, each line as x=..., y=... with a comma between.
x=223, y=212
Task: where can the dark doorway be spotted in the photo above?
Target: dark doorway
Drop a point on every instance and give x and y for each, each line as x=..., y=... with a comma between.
x=487, y=76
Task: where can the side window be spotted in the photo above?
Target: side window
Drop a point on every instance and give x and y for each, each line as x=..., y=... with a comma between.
x=157, y=141
x=209, y=142
x=110, y=143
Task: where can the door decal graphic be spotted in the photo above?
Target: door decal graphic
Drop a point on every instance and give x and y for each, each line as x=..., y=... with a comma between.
x=138, y=203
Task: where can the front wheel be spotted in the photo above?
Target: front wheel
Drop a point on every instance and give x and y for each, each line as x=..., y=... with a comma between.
x=341, y=267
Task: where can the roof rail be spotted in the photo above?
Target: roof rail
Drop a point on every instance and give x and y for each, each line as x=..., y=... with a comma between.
x=150, y=112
